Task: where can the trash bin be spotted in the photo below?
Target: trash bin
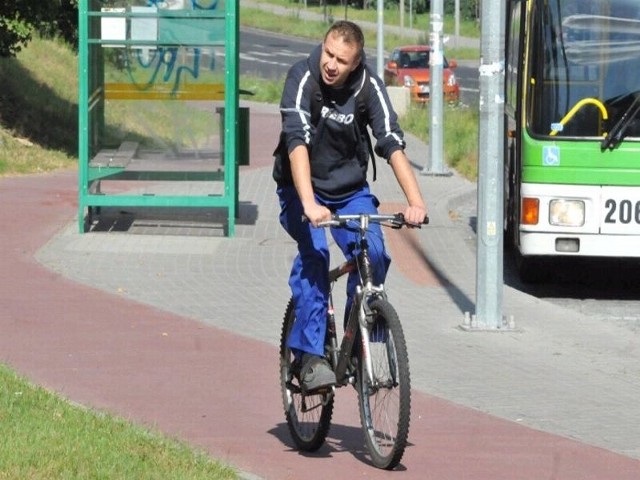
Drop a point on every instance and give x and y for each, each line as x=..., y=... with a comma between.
x=243, y=134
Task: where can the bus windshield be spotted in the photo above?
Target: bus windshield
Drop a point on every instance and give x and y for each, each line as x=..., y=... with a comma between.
x=585, y=59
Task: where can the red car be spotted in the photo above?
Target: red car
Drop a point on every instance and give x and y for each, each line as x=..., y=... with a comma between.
x=408, y=66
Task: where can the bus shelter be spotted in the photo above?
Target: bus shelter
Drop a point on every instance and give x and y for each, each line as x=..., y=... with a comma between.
x=159, y=120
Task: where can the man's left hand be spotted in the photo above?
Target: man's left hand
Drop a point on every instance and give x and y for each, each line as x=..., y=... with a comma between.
x=415, y=215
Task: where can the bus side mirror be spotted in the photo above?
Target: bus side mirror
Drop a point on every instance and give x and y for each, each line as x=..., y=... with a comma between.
x=453, y=64
x=392, y=65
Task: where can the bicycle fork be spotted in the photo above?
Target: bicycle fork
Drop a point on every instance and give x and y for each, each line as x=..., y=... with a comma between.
x=357, y=327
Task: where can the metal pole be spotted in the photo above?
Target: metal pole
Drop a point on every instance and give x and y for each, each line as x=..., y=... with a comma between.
x=489, y=272
x=83, y=110
x=411, y=14
x=380, y=38
x=402, y=14
x=231, y=100
x=457, y=22
x=435, y=165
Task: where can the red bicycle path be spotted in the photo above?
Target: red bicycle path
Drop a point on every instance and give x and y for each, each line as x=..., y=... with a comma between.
x=219, y=391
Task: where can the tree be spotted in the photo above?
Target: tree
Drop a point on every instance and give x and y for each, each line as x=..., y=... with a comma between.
x=21, y=19
x=469, y=9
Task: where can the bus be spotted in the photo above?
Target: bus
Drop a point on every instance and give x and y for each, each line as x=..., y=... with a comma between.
x=572, y=131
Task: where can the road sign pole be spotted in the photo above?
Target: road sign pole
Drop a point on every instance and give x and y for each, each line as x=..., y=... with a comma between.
x=380, y=38
x=489, y=272
x=435, y=163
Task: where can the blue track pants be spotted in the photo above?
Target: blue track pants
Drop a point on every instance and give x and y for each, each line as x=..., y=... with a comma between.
x=309, y=280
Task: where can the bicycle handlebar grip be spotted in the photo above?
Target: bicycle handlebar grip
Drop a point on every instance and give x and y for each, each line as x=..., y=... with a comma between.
x=327, y=223
x=401, y=220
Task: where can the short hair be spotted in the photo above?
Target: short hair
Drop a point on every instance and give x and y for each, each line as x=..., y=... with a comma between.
x=349, y=32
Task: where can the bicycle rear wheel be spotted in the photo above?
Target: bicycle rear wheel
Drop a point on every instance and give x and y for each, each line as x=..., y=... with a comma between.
x=308, y=416
x=385, y=399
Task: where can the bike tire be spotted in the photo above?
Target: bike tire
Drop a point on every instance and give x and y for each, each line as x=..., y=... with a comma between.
x=308, y=416
x=385, y=403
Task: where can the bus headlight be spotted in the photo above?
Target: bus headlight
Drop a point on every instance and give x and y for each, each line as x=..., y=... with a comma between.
x=566, y=213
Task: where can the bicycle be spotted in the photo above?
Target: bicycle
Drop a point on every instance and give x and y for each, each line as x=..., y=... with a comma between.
x=372, y=356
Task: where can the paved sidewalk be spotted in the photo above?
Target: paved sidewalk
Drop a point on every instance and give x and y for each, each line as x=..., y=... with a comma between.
x=171, y=325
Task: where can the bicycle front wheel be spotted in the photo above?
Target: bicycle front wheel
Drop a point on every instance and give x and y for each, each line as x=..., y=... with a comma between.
x=308, y=416
x=384, y=393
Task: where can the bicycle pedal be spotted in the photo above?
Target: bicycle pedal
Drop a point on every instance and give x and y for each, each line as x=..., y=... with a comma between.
x=325, y=390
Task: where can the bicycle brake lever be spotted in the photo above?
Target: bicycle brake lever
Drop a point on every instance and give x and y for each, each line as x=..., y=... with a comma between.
x=398, y=221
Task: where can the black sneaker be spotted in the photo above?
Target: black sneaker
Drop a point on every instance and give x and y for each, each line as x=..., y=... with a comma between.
x=316, y=373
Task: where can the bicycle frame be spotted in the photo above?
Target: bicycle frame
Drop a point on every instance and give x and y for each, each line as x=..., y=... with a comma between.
x=360, y=316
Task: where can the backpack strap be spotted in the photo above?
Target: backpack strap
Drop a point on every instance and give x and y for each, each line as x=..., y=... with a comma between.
x=316, y=101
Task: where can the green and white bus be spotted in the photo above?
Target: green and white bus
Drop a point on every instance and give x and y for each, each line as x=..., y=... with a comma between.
x=572, y=138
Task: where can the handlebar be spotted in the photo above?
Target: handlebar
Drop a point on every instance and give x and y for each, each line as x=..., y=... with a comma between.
x=395, y=220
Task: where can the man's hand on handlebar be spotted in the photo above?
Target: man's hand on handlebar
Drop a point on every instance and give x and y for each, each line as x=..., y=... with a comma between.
x=315, y=214
x=415, y=215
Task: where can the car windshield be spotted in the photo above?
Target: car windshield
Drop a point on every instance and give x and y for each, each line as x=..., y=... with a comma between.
x=414, y=59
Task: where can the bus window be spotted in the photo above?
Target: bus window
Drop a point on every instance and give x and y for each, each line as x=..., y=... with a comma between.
x=622, y=83
x=587, y=48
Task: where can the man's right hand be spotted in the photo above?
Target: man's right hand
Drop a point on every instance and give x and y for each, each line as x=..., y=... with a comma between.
x=317, y=213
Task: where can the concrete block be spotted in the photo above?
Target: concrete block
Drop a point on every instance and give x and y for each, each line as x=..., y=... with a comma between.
x=400, y=99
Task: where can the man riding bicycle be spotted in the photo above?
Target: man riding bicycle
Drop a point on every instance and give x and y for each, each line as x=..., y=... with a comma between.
x=321, y=167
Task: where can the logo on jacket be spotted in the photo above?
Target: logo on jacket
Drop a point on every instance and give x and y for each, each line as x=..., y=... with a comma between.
x=337, y=117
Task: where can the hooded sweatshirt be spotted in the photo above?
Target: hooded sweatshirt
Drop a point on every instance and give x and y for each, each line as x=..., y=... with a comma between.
x=337, y=144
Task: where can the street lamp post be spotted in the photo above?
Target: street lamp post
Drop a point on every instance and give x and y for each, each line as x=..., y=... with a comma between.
x=489, y=271
x=435, y=165
x=380, y=38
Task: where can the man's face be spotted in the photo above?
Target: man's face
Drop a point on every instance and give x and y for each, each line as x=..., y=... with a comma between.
x=338, y=60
